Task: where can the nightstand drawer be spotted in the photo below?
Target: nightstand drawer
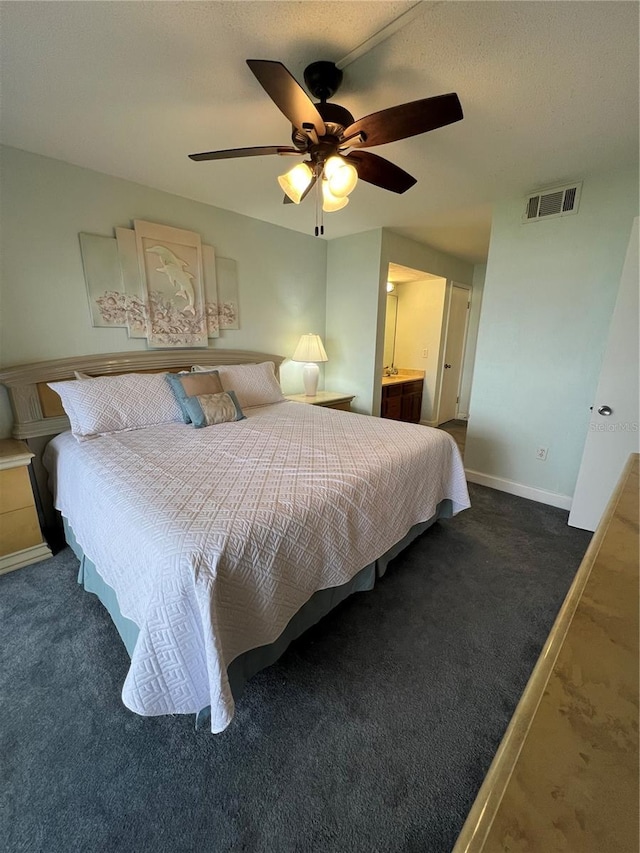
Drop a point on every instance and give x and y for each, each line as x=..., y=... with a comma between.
x=20, y=538
x=19, y=530
x=15, y=489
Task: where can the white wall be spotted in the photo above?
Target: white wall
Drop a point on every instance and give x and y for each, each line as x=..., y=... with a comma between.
x=420, y=312
x=356, y=307
x=45, y=204
x=479, y=273
x=548, y=299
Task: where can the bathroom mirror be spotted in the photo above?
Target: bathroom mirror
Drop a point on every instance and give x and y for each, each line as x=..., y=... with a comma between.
x=390, y=329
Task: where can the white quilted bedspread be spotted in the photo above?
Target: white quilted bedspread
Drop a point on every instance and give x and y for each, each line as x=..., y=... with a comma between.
x=214, y=538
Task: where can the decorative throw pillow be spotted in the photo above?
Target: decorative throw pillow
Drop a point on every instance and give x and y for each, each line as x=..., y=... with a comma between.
x=210, y=409
x=254, y=384
x=107, y=404
x=185, y=385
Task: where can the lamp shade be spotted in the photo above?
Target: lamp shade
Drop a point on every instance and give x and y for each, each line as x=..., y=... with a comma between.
x=310, y=349
x=341, y=176
x=330, y=202
x=296, y=181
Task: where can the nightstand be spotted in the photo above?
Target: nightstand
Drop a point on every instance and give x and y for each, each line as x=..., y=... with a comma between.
x=21, y=541
x=328, y=399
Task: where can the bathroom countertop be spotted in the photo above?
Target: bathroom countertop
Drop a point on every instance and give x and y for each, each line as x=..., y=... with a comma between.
x=403, y=376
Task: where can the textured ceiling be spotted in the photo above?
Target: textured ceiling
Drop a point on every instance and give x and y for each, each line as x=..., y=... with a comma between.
x=549, y=90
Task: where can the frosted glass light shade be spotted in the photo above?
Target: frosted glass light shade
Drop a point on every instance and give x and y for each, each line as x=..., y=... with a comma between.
x=310, y=349
x=341, y=176
x=330, y=202
x=296, y=181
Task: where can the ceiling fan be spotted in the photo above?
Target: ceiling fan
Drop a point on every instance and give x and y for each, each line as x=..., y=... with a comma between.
x=327, y=134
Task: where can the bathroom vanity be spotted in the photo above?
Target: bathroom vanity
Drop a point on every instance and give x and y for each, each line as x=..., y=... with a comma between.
x=402, y=396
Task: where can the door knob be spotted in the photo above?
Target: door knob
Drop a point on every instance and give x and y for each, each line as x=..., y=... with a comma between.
x=447, y=366
x=605, y=411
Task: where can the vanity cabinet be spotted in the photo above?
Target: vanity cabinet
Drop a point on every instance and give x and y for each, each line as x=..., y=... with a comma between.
x=402, y=401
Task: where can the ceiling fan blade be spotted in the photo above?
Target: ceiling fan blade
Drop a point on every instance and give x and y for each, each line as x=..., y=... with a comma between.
x=405, y=120
x=287, y=200
x=244, y=152
x=287, y=94
x=380, y=172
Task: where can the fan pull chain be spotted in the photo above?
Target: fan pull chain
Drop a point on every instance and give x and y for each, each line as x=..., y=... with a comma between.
x=319, y=229
x=320, y=207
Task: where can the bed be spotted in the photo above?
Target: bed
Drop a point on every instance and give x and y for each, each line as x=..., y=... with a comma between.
x=213, y=548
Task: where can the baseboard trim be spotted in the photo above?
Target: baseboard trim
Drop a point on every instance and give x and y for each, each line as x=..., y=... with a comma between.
x=19, y=559
x=540, y=495
x=429, y=423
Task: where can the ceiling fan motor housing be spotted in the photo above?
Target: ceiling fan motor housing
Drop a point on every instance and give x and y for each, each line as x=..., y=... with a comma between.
x=335, y=118
x=322, y=79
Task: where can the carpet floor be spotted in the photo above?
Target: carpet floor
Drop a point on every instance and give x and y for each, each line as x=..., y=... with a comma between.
x=372, y=733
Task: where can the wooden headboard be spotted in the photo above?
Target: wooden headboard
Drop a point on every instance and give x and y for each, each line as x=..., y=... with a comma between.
x=37, y=410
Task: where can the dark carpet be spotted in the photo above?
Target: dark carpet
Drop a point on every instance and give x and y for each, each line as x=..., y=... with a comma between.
x=372, y=733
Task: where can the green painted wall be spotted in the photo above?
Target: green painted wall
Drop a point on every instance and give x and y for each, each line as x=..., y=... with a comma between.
x=356, y=305
x=355, y=328
x=548, y=297
x=45, y=203
x=401, y=250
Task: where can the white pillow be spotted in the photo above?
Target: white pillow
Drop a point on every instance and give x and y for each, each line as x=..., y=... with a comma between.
x=105, y=404
x=254, y=384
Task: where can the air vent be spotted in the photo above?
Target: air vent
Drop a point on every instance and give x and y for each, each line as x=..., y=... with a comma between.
x=552, y=202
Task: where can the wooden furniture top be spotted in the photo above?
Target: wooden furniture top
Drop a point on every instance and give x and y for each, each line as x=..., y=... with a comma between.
x=322, y=398
x=565, y=776
x=14, y=454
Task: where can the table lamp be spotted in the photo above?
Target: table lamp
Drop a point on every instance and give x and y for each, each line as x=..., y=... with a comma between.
x=310, y=351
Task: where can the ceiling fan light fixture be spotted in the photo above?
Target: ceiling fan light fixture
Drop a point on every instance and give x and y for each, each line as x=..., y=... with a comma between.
x=331, y=202
x=341, y=176
x=296, y=181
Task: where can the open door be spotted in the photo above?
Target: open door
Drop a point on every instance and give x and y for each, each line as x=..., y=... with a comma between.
x=456, y=335
x=613, y=427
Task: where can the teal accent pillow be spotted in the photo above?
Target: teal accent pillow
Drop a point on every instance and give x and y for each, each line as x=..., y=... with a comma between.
x=186, y=384
x=210, y=409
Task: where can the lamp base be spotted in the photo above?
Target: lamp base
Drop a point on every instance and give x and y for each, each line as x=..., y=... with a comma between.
x=310, y=374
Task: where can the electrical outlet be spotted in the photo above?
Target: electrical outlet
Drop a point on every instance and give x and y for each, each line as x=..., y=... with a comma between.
x=425, y=353
x=541, y=453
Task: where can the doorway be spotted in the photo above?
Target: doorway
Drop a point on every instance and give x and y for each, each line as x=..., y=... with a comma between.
x=426, y=328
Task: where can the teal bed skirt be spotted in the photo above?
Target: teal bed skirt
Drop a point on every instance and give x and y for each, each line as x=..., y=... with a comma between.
x=248, y=664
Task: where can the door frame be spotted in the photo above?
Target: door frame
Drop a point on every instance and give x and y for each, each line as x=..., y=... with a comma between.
x=443, y=342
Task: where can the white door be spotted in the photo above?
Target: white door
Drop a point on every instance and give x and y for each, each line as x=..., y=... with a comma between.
x=456, y=334
x=613, y=427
